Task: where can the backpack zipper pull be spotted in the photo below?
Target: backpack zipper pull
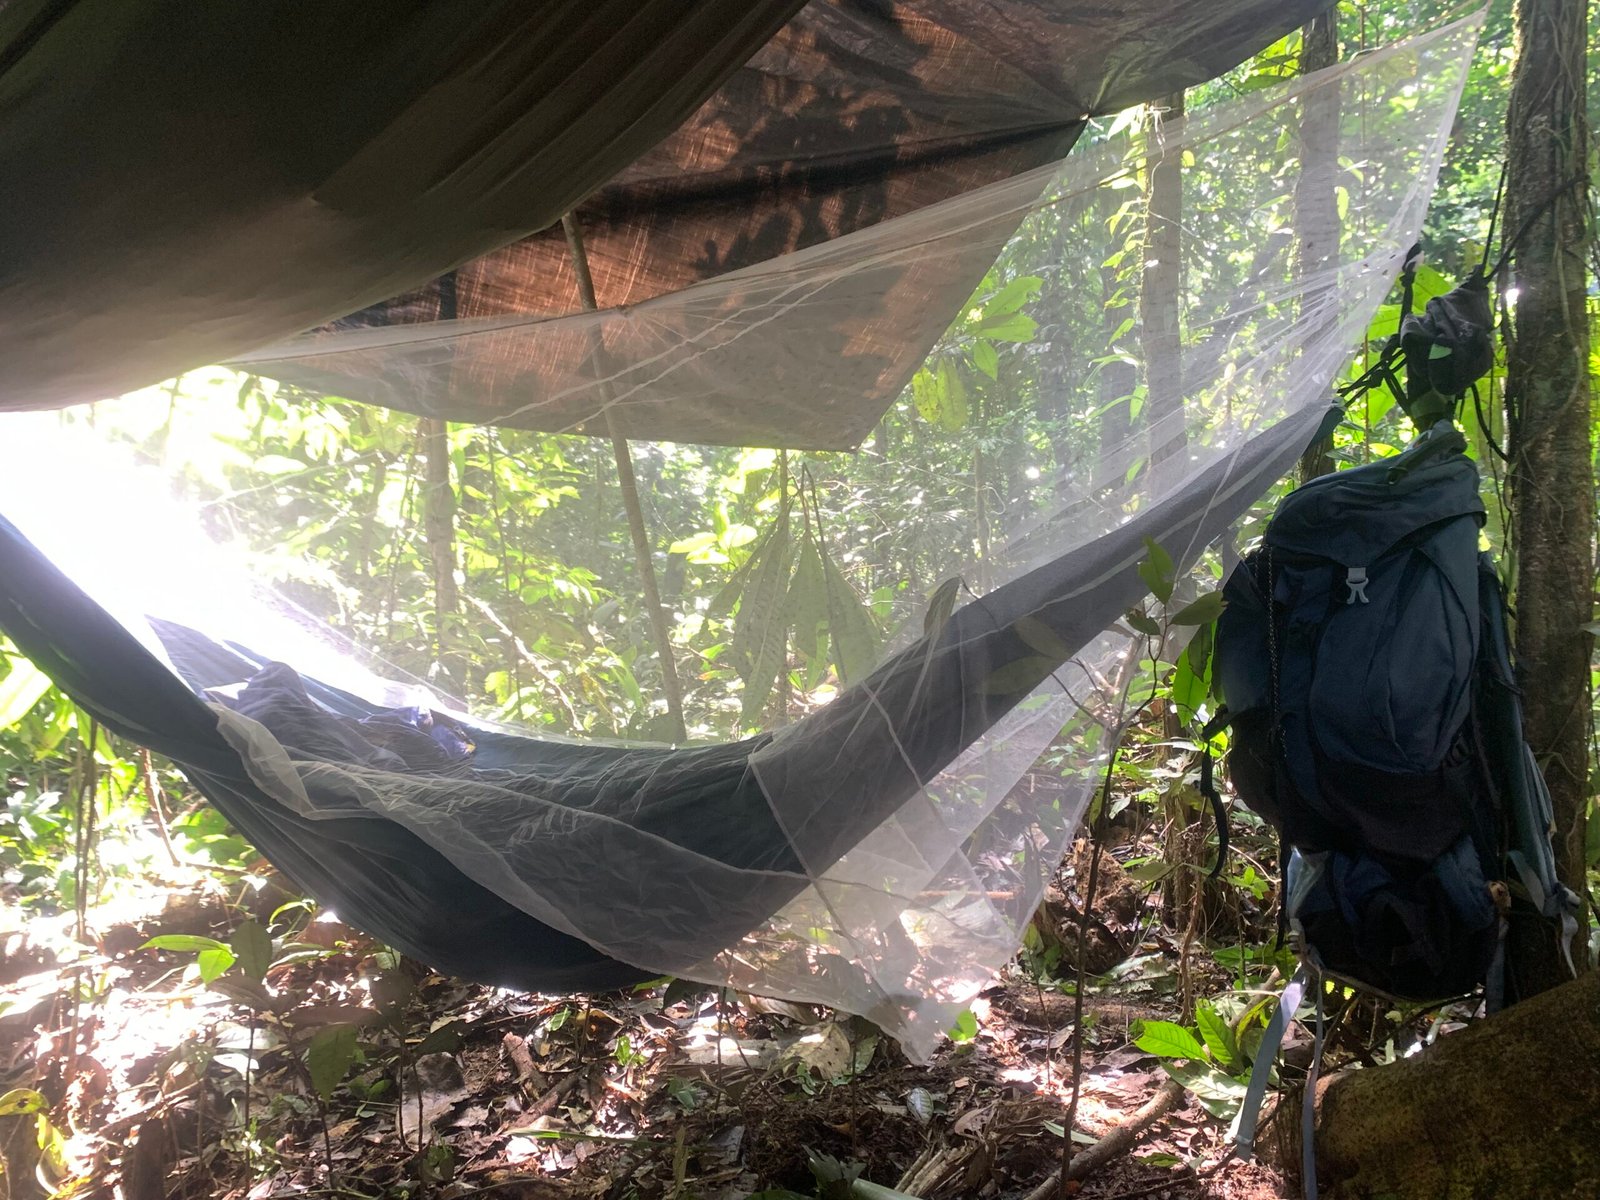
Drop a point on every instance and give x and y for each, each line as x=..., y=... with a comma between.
x=1356, y=579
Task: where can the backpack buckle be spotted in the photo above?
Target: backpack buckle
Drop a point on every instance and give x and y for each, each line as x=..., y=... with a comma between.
x=1356, y=578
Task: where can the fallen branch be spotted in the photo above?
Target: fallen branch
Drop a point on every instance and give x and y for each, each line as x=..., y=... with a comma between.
x=931, y=1168
x=522, y=1062
x=1119, y=1141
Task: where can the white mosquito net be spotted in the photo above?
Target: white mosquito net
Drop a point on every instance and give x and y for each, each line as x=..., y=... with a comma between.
x=881, y=845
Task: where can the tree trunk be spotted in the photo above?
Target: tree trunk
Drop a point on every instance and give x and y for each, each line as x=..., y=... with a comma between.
x=1116, y=377
x=1547, y=401
x=439, y=530
x=1316, y=208
x=1160, y=299
x=1508, y=1108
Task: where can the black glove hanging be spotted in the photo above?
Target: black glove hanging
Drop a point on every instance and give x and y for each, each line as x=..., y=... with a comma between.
x=1447, y=349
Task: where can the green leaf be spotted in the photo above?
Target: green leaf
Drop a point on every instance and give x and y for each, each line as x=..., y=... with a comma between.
x=1201, y=611
x=1012, y=297
x=214, y=963
x=1018, y=327
x=185, y=943
x=701, y=548
x=1191, y=679
x=330, y=1056
x=249, y=992
x=1157, y=571
x=736, y=535
x=985, y=358
x=924, y=395
x=1218, y=1035
x=941, y=603
x=1078, y=1136
x=966, y=1027
x=253, y=947
x=1142, y=622
x=1042, y=638
x=1166, y=1039
x=761, y=630
x=953, y=409
x=808, y=605
x=21, y=1102
x=446, y=1038
x=722, y=603
x=22, y=687
x=854, y=633
x=1023, y=675
x=1218, y=1093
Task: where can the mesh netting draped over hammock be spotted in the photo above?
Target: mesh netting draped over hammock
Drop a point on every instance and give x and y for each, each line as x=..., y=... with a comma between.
x=883, y=853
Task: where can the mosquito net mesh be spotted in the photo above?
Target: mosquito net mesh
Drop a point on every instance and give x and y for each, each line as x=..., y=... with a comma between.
x=862, y=817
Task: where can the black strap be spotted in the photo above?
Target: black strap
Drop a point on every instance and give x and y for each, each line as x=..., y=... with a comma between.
x=1208, y=787
x=1386, y=369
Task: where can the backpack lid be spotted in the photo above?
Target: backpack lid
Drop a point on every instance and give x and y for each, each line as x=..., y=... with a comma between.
x=1352, y=517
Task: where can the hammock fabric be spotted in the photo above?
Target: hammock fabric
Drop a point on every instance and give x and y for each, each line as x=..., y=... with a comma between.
x=180, y=193
x=710, y=801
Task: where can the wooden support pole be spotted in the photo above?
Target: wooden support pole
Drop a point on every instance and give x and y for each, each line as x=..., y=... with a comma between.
x=630, y=502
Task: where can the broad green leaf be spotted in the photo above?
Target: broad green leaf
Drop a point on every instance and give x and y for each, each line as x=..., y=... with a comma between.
x=736, y=535
x=20, y=1102
x=925, y=395
x=965, y=1028
x=1023, y=675
x=722, y=603
x=214, y=963
x=1042, y=638
x=1142, y=622
x=1012, y=297
x=952, y=394
x=1157, y=571
x=253, y=946
x=701, y=548
x=1201, y=611
x=985, y=358
x=330, y=1056
x=1218, y=1035
x=21, y=688
x=808, y=606
x=185, y=943
x=1015, y=327
x=751, y=461
x=1152, y=870
x=1218, y=1093
x=761, y=630
x=1166, y=1039
x=850, y=624
x=1191, y=679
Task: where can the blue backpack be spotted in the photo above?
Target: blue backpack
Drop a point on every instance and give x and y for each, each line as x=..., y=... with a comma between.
x=1374, y=721
x=1363, y=660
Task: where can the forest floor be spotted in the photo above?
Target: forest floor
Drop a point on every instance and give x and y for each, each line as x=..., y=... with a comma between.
x=344, y=1073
